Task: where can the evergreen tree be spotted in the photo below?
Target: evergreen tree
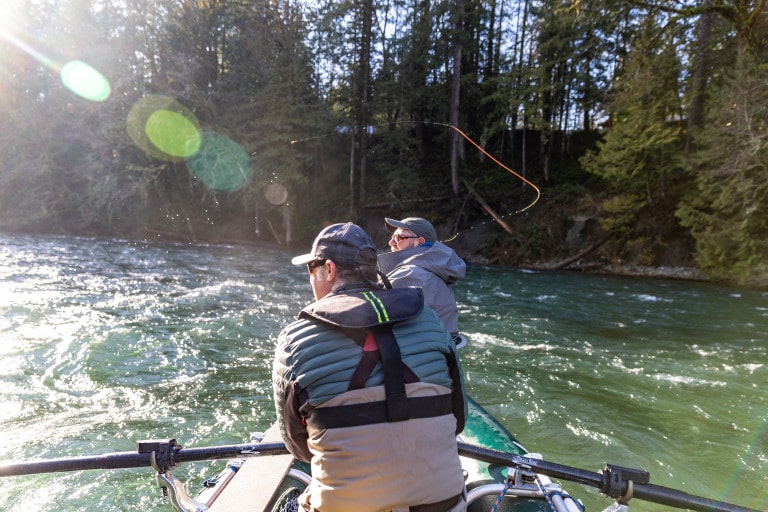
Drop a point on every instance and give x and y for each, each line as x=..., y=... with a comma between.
x=644, y=144
x=728, y=210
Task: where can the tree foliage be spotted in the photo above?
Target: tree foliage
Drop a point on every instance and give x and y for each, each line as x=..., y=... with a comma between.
x=728, y=210
x=644, y=145
x=341, y=109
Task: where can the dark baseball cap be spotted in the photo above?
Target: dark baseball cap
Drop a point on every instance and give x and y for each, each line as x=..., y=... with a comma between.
x=341, y=243
x=422, y=227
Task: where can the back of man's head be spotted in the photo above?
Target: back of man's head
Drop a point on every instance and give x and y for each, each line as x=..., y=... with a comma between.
x=348, y=246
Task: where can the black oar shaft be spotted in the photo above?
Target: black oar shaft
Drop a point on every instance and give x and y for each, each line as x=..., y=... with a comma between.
x=680, y=499
x=109, y=461
x=546, y=468
x=644, y=491
x=231, y=451
x=136, y=460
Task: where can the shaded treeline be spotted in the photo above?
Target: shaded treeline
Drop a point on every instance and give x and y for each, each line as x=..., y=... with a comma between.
x=646, y=115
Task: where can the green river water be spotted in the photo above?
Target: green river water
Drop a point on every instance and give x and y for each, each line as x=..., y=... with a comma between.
x=108, y=342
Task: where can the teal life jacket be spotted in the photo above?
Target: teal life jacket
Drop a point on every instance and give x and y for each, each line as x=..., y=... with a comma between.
x=367, y=317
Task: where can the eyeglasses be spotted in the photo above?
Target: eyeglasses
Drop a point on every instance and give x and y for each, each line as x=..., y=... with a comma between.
x=314, y=264
x=399, y=237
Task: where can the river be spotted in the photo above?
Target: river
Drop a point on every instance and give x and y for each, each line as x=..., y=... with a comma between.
x=106, y=342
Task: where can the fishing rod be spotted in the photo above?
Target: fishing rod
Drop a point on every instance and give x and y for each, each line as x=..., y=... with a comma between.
x=614, y=481
x=456, y=129
x=476, y=145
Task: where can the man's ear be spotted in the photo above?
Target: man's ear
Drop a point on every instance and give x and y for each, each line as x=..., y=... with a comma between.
x=330, y=270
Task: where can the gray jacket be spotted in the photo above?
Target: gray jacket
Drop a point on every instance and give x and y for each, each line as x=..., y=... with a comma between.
x=433, y=269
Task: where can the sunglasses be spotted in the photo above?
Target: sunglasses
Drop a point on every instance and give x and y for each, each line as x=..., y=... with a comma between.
x=314, y=264
x=399, y=237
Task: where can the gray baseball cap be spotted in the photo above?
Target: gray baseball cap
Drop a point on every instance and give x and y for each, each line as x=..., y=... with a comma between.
x=341, y=243
x=422, y=227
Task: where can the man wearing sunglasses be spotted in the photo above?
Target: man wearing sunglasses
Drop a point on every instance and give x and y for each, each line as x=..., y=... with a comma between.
x=368, y=387
x=419, y=260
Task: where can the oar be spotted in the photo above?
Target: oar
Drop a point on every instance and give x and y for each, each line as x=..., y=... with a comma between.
x=163, y=455
x=610, y=482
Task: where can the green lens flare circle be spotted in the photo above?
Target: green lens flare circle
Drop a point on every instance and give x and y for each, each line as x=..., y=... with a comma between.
x=163, y=128
x=221, y=163
x=173, y=133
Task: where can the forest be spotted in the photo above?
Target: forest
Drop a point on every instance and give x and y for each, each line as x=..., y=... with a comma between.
x=538, y=133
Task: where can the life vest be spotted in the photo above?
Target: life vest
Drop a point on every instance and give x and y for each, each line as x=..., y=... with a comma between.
x=367, y=318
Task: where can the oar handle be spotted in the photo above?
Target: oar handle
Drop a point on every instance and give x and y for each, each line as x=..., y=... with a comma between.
x=605, y=482
x=173, y=454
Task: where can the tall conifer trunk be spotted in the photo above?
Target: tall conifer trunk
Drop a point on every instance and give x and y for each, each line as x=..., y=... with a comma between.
x=455, y=88
x=699, y=79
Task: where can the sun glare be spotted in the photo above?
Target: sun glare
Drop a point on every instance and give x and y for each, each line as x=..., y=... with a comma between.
x=77, y=76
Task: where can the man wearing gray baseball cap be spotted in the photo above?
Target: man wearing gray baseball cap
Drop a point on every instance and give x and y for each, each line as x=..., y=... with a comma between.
x=419, y=260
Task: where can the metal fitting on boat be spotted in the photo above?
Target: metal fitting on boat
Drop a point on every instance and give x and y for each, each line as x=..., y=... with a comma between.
x=180, y=499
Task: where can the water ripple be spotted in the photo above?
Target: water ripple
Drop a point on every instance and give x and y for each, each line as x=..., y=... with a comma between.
x=106, y=342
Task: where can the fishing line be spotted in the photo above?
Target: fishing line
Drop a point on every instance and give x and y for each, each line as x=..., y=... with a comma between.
x=483, y=151
x=468, y=139
x=497, y=162
x=348, y=129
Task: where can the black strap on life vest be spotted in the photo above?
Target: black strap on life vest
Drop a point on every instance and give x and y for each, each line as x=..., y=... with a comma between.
x=371, y=356
x=394, y=379
x=364, y=369
x=370, y=413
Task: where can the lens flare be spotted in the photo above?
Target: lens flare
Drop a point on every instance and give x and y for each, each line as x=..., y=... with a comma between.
x=77, y=76
x=163, y=128
x=173, y=134
x=221, y=163
x=85, y=81
x=276, y=193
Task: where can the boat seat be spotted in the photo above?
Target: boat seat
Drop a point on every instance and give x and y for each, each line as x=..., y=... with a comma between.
x=255, y=484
